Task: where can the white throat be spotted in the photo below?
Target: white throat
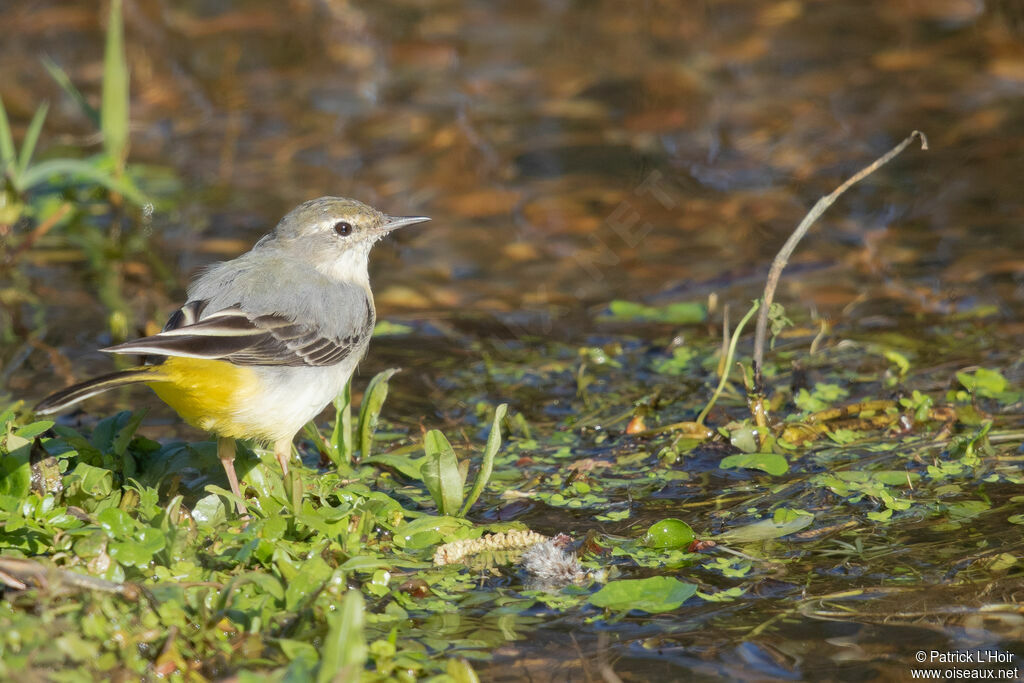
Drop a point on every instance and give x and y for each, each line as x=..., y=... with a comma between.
x=349, y=266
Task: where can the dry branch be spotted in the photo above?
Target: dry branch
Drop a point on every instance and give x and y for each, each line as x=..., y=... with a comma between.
x=782, y=258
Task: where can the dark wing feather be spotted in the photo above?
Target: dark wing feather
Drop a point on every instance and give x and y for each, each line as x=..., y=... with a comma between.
x=236, y=336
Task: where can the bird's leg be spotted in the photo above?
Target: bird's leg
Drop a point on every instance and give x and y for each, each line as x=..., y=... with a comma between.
x=226, y=453
x=283, y=452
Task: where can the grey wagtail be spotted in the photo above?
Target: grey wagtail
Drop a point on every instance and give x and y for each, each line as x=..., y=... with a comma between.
x=268, y=339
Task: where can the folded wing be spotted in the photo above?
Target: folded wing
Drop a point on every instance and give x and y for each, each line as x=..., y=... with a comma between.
x=244, y=339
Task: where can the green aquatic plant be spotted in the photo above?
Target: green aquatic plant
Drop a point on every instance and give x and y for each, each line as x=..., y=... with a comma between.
x=56, y=201
x=22, y=176
x=445, y=478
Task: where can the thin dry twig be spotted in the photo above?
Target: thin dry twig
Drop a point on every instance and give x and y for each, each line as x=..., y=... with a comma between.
x=782, y=258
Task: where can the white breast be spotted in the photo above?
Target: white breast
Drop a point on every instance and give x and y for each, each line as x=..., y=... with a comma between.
x=292, y=396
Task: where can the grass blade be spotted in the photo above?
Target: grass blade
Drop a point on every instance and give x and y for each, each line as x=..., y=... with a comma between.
x=28, y=145
x=64, y=81
x=440, y=472
x=114, y=109
x=369, y=411
x=487, y=464
x=8, y=156
x=77, y=167
x=344, y=648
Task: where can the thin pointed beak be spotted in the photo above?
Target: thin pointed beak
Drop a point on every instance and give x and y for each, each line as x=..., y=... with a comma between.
x=394, y=222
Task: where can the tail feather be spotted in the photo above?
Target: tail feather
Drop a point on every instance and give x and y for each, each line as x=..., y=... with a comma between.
x=79, y=392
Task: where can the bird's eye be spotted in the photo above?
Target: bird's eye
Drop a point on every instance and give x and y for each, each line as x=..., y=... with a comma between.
x=343, y=228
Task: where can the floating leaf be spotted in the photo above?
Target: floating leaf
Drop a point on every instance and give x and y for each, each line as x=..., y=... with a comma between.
x=765, y=529
x=772, y=463
x=783, y=516
x=983, y=382
x=654, y=594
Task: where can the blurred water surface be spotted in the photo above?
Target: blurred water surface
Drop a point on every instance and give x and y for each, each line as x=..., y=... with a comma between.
x=575, y=152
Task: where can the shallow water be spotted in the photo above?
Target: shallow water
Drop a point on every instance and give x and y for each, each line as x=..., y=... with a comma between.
x=571, y=154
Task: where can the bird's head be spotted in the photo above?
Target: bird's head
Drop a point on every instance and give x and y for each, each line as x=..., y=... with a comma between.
x=335, y=234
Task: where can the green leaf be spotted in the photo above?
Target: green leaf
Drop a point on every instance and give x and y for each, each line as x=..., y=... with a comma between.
x=61, y=77
x=369, y=411
x=680, y=313
x=898, y=359
x=209, y=510
x=440, y=471
x=89, y=481
x=677, y=364
x=123, y=436
x=822, y=397
x=386, y=328
x=31, y=431
x=487, y=463
x=765, y=529
x=983, y=382
x=88, y=170
x=310, y=578
x=15, y=468
x=138, y=551
x=298, y=650
x=28, y=145
x=786, y=515
x=654, y=594
x=344, y=648
x=6, y=417
x=429, y=531
x=461, y=671
x=340, y=448
x=114, y=108
x=8, y=152
x=669, y=533
x=116, y=522
x=84, y=169
x=772, y=463
x=968, y=508
x=363, y=563
x=410, y=467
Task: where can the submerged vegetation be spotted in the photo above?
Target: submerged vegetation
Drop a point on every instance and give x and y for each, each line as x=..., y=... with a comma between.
x=334, y=573
x=370, y=561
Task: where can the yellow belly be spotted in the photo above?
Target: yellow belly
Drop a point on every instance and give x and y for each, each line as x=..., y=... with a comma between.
x=208, y=394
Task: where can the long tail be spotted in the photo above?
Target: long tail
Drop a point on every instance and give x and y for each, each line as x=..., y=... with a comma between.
x=79, y=392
